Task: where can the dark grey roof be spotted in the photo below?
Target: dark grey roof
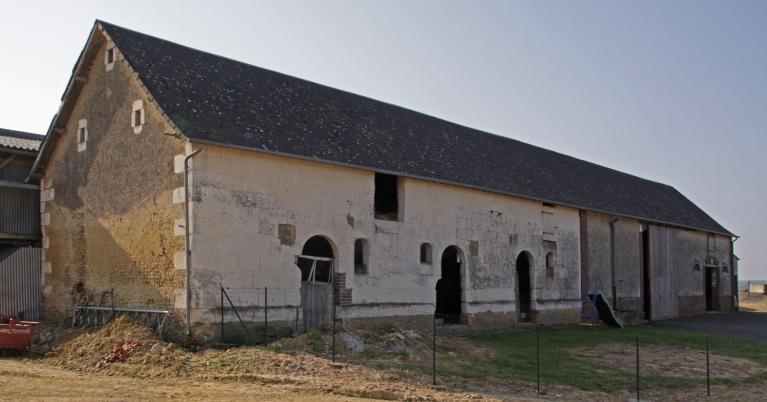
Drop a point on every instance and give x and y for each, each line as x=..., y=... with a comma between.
x=218, y=100
x=20, y=140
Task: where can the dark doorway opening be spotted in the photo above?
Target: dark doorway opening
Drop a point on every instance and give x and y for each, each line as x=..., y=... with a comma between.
x=646, y=305
x=386, y=198
x=449, y=287
x=712, y=288
x=523, y=286
x=320, y=269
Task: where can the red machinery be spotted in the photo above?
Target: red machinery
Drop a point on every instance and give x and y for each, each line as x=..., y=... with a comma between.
x=15, y=334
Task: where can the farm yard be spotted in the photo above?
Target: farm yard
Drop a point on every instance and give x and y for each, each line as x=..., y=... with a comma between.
x=753, y=302
x=125, y=360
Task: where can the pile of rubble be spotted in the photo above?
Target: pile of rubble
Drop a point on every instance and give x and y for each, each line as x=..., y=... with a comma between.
x=135, y=347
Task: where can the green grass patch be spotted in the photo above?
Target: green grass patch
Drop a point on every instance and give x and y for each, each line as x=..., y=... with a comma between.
x=515, y=356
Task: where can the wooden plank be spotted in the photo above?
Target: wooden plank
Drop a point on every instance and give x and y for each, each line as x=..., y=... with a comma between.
x=663, y=299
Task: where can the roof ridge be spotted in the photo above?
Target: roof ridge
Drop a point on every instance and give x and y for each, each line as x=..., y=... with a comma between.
x=479, y=131
x=218, y=100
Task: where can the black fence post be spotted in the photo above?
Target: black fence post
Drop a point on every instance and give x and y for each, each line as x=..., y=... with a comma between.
x=434, y=350
x=266, y=315
x=538, y=357
x=334, y=328
x=637, y=375
x=708, y=373
x=222, y=314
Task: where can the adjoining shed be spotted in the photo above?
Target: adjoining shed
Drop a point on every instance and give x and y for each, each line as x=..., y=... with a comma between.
x=20, y=269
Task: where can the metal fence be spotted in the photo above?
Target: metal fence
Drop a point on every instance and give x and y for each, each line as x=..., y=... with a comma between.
x=20, y=282
x=257, y=317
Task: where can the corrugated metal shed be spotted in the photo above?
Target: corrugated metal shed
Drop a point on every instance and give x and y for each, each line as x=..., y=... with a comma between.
x=20, y=212
x=20, y=140
x=20, y=282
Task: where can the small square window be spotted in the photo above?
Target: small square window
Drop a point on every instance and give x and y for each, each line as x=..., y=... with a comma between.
x=137, y=116
x=109, y=57
x=360, y=256
x=426, y=253
x=82, y=135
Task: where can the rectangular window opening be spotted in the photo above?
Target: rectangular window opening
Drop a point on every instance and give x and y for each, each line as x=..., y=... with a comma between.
x=137, y=118
x=386, y=197
x=360, y=256
x=110, y=55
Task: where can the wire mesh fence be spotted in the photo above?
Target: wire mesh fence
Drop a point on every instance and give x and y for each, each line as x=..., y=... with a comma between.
x=636, y=362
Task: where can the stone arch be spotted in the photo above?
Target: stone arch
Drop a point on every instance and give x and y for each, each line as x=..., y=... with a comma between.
x=525, y=268
x=450, y=285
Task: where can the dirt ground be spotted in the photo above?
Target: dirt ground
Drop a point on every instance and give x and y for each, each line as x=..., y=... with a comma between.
x=757, y=303
x=669, y=361
x=32, y=380
x=125, y=361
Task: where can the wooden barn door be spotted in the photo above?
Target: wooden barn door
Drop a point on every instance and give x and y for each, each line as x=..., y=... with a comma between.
x=316, y=290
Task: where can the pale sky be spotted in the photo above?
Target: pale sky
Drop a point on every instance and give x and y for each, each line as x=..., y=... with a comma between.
x=670, y=91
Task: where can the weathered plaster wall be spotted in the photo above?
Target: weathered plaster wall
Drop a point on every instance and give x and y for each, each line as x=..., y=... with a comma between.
x=691, y=250
x=241, y=198
x=628, y=263
x=107, y=211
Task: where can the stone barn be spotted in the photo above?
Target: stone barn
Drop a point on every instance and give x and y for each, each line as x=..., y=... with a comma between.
x=178, y=173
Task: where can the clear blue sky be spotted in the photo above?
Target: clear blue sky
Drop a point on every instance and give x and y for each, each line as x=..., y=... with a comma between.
x=674, y=91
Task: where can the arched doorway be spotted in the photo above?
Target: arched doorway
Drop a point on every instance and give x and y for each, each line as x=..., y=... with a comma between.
x=449, y=286
x=524, y=291
x=316, y=265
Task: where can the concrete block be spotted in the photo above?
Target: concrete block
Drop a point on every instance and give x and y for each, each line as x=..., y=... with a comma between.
x=180, y=296
x=178, y=195
x=179, y=260
x=178, y=227
x=45, y=219
x=47, y=194
x=178, y=163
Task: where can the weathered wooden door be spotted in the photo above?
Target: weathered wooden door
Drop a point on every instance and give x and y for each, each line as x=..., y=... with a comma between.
x=662, y=281
x=316, y=290
x=316, y=301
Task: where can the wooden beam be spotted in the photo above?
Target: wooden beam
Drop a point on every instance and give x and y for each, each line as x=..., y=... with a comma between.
x=10, y=184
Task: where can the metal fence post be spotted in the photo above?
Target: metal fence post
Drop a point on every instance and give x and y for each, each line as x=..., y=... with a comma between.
x=222, y=314
x=334, y=327
x=708, y=373
x=637, y=375
x=266, y=315
x=434, y=350
x=538, y=357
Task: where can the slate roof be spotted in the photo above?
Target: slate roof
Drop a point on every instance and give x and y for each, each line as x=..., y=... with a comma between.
x=216, y=100
x=20, y=140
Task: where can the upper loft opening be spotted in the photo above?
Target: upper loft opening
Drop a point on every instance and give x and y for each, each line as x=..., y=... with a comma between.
x=386, y=197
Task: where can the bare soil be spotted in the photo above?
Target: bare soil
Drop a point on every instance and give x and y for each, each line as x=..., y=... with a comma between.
x=753, y=302
x=669, y=361
x=76, y=369
x=169, y=364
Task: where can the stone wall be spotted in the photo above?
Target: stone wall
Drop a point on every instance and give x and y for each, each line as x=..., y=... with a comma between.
x=243, y=199
x=107, y=211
